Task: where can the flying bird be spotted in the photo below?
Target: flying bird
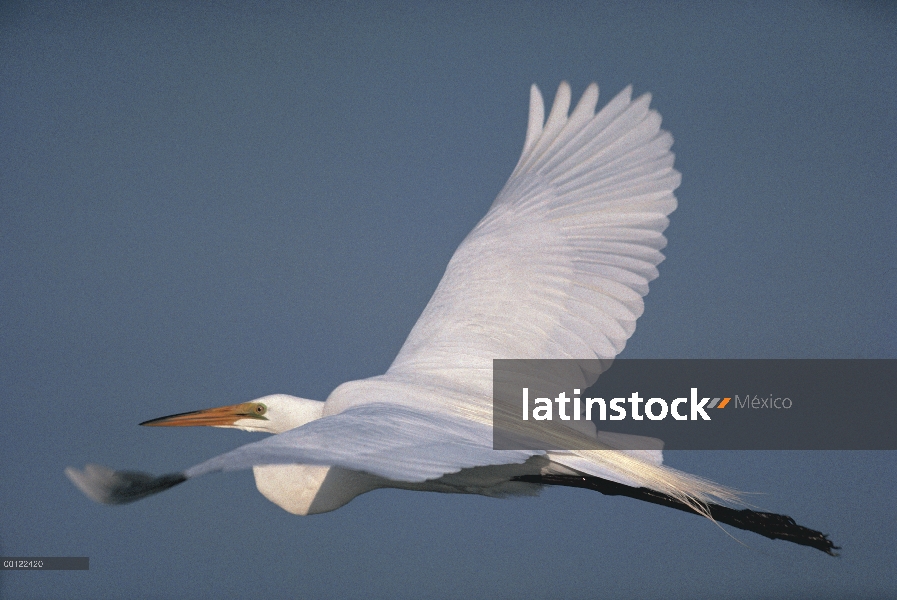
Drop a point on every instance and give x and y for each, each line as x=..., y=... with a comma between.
x=556, y=269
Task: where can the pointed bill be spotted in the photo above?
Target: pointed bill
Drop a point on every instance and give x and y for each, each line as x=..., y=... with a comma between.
x=223, y=416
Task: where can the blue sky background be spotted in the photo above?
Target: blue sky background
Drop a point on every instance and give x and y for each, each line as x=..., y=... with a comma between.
x=201, y=205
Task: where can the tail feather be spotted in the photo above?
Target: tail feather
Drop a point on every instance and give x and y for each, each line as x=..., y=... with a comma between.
x=693, y=491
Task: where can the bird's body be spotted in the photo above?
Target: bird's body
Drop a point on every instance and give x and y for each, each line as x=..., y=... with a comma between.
x=556, y=269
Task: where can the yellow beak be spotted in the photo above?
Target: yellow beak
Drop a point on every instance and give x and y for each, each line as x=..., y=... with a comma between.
x=223, y=416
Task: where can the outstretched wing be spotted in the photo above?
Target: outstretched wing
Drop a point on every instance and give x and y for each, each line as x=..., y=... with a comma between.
x=395, y=443
x=385, y=440
x=556, y=269
x=559, y=265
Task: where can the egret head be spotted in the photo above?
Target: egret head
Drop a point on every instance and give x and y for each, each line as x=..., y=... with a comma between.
x=272, y=414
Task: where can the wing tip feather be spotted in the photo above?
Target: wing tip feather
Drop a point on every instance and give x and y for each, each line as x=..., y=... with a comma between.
x=536, y=118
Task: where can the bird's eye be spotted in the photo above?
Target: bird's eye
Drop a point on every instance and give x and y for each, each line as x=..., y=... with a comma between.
x=260, y=409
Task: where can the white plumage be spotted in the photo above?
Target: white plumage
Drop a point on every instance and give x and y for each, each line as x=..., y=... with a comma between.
x=556, y=269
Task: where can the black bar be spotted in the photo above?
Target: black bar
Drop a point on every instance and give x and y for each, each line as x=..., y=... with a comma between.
x=45, y=563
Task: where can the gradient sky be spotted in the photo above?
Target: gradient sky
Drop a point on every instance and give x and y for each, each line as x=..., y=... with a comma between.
x=201, y=205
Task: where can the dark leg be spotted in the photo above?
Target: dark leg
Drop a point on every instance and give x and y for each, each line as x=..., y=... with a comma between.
x=771, y=525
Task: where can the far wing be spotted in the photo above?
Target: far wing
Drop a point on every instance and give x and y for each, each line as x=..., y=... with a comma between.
x=559, y=265
x=387, y=440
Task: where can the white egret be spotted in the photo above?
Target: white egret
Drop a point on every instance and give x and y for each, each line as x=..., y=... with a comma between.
x=556, y=269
